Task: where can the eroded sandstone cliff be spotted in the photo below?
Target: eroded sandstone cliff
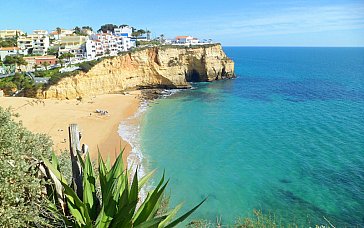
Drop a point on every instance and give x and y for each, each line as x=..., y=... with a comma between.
x=157, y=67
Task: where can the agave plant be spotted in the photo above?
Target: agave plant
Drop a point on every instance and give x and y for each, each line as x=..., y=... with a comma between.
x=119, y=203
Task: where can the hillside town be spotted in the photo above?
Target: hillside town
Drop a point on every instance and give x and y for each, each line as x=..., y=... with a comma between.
x=44, y=49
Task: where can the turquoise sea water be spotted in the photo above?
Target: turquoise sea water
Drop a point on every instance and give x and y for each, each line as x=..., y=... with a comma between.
x=286, y=136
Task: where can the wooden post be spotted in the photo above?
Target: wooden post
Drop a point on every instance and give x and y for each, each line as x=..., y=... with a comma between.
x=75, y=148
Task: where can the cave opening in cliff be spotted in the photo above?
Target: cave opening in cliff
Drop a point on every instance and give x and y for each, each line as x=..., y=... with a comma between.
x=193, y=76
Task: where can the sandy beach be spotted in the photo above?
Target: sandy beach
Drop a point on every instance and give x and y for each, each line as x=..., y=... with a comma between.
x=52, y=117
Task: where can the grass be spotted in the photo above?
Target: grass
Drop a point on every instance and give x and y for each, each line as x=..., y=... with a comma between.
x=46, y=73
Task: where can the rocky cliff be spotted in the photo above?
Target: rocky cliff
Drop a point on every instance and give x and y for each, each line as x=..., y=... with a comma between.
x=156, y=67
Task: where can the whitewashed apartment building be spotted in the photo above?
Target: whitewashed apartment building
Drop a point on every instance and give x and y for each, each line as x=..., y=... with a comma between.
x=36, y=43
x=106, y=44
x=6, y=34
x=75, y=45
x=6, y=51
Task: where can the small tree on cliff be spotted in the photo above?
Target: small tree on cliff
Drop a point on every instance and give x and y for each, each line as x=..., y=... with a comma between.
x=59, y=30
x=67, y=56
x=17, y=60
x=107, y=27
x=35, y=67
x=45, y=64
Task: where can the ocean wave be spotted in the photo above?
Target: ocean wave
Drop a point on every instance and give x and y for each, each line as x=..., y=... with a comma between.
x=168, y=92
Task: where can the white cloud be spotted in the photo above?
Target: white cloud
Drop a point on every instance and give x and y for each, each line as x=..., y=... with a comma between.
x=286, y=20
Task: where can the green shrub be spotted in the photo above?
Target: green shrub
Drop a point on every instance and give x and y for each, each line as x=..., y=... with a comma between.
x=86, y=66
x=55, y=78
x=258, y=219
x=8, y=87
x=46, y=73
x=10, y=42
x=19, y=79
x=21, y=200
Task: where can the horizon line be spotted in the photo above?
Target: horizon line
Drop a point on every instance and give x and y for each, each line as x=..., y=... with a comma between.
x=277, y=46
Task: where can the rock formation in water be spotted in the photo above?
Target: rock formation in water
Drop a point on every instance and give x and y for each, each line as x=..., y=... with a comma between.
x=154, y=67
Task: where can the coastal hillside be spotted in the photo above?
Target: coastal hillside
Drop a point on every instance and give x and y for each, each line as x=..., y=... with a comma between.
x=154, y=67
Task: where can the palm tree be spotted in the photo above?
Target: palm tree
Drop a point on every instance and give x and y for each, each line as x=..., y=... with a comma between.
x=141, y=32
x=60, y=61
x=45, y=64
x=67, y=55
x=148, y=34
x=87, y=27
x=35, y=66
x=162, y=38
x=59, y=30
x=77, y=30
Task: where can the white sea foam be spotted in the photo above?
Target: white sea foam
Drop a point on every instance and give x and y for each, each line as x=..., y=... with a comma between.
x=129, y=130
x=169, y=92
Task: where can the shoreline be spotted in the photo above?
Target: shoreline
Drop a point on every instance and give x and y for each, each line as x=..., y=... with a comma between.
x=52, y=117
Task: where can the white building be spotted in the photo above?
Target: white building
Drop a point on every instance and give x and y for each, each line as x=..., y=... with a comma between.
x=93, y=49
x=5, y=34
x=25, y=42
x=125, y=31
x=40, y=44
x=186, y=40
x=73, y=44
x=107, y=44
x=61, y=33
x=37, y=44
x=5, y=51
x=40, y=32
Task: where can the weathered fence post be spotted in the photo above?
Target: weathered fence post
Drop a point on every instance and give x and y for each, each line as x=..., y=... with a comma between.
x=75, y=149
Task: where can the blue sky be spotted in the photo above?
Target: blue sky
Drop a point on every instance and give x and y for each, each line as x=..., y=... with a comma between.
x=232, y=22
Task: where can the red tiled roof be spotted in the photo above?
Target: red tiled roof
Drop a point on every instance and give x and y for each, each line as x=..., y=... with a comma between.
x=45, y=57
x=8, y=48
x=181, y=37
x=29, y=58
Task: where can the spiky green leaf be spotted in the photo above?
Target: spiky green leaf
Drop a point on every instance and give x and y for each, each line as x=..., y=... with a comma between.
x=145, y=179
x=76, y=207
x=151, y=223
x=151, y=206
x=170, y=216
x=89, y=185
x=55, y=161
x=183, y=217
x=55, y=171
x=124, y=215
